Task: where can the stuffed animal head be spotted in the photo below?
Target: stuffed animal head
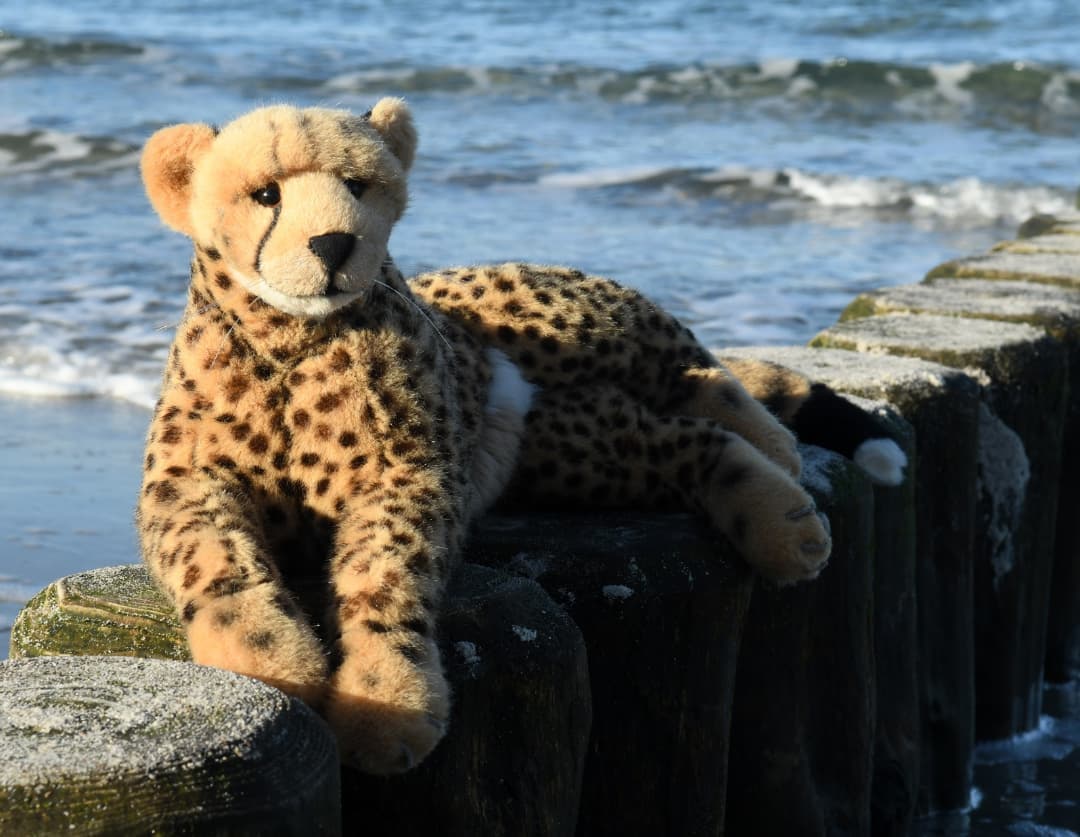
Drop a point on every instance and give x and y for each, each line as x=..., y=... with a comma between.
x=299, y=203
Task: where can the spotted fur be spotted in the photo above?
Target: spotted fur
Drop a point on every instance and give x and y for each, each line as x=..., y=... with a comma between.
x=326, y=431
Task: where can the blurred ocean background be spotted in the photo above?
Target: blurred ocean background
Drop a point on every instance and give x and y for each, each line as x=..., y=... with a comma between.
x=751, y=165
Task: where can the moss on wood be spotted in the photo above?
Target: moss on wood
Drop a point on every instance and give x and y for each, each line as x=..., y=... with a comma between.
x=108, y=612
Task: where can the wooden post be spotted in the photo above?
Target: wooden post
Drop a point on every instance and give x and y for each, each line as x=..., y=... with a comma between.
x=115, y=745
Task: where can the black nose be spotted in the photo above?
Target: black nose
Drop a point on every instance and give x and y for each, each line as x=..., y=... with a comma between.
x=332, y=248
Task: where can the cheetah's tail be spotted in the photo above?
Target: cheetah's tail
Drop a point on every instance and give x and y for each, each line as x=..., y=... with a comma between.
x=831, y=421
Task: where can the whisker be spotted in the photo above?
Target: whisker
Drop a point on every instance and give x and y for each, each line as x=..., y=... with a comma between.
x=222, y=346
x=422, y=312
x=178, y=323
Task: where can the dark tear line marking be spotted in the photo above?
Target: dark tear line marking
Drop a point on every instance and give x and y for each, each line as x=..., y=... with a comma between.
x=264, y=239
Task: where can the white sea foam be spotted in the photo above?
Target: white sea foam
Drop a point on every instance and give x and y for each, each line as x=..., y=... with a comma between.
x=64, y=146
x=70, y=382
x=361, y=79
x=10, y=45
x=934, y=90
x=846, y=192
x=1057, y=96
x=778, y=68
x=949, y=77
x=480, y=76
x=1052, y=738
x=600, y=178
x=964, y=201
x=725, y=175
x=50, y=355
x=1031, y=829
x=689, y=76
x=972, y=198
x=43, y=150
x=801, y=86
x=642, y=91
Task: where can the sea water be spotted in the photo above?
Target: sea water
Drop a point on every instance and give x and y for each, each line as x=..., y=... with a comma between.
x=750, y=165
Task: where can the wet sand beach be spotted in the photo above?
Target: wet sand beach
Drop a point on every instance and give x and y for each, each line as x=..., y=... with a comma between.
x=69, y=473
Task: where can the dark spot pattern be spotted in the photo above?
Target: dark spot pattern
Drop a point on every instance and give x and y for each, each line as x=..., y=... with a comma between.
x=276, y=464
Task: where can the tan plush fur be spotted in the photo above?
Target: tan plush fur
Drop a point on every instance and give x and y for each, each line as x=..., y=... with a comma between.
x=782, y=389
x=326, y=432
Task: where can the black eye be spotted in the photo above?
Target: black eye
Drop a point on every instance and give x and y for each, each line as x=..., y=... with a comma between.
x=268, y=195
x=356, y=187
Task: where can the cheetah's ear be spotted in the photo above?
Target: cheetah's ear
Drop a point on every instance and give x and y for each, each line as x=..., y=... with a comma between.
x=392, y=119
x=168, y=164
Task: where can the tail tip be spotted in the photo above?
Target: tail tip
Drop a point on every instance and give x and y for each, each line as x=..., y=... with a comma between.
x=882, y=460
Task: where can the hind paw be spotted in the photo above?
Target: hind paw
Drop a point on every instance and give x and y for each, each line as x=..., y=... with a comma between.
x=774, y=524
x=791, y=546
x=387, y=711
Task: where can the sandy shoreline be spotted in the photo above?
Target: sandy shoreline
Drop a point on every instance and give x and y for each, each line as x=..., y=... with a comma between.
x=69, y=474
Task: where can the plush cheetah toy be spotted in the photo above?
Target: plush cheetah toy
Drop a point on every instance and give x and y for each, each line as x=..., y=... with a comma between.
x=321, y=420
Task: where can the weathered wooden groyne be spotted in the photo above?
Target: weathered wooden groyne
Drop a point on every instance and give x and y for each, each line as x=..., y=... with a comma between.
x=624, y=673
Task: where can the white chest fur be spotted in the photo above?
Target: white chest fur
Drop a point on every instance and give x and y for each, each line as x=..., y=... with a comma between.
x=509, y=399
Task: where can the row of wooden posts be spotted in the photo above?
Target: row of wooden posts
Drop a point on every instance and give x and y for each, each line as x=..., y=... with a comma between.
x=613, y=676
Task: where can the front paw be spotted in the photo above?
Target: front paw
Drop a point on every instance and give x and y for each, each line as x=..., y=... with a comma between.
x=388, y=709
x=247, y=634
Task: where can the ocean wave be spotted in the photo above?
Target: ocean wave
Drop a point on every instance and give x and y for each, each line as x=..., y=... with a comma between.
x=1009, y=90
x=78, y=341
x=46, y=150
x=963, y=201
x=18, y=54
x=54, y=375
x=1052, y=738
